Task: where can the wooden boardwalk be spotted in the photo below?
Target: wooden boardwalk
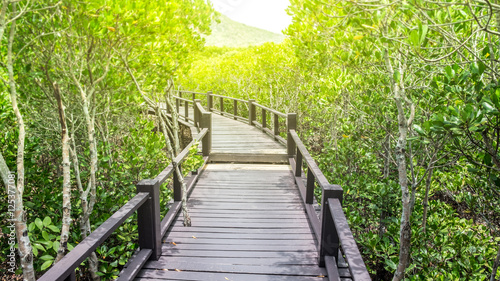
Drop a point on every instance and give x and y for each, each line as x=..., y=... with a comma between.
x=252, y=208
x=248, y=224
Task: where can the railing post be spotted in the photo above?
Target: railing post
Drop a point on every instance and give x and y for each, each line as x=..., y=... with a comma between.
x=221, y=101
x=194, y=96
x=298, y=164
x=210, y=101
x=186, y=110
x=206, y=122
x=177, y=105
x=235, y=109
x=196, y=113
x=276, y=125
x=148, y=218
x=329, y=240
x=310, y=186
x=251, y=112
x=264, y=117
x=291, y=124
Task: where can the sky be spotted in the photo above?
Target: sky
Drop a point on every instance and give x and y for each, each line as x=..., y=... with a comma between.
x=266, y=14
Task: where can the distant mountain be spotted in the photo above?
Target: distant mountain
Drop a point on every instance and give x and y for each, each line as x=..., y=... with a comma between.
x=230, y=33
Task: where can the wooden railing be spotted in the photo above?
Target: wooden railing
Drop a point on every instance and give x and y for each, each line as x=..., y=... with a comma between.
x=151, y=227
x=332, y=231
x=239, y=109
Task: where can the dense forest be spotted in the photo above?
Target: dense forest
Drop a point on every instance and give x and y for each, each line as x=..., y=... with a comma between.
x=398, y=101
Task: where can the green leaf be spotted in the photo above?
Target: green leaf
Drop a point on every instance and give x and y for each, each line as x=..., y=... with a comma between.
x=423, y=33
x=46, y=265
x=45, y=236
x=39, y=223
x=414, y=38
x=53, y=228
x=391, y=264
x=56, y=245
x=418, y=129
x=38, y=246
x=47, y=221
x=35, y=251
x=47, y=258
x=450, y=73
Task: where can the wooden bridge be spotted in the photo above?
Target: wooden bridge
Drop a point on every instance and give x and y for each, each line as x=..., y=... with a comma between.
x=253, y=210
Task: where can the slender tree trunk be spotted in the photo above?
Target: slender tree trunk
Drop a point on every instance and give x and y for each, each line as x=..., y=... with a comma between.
x=170, y=151
x=66, y=219
x=93, y=261
x=405, y=228
x=426, y=198
x=23, y=241
x=4, y=171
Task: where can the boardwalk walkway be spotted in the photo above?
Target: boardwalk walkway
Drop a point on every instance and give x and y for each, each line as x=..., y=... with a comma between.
x=248, y=219
x=253, y=212
x=248, y=224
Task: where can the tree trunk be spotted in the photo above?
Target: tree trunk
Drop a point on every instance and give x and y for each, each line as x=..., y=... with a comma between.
x=4, y=171
x=23, y=241
x=66, y=219
x=403, y=124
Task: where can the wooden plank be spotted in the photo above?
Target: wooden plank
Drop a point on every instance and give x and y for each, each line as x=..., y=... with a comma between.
x=198, y=240
x=204, y=276
x=242, y=261
x=241, y=254
x=240, y=230
x=286, y=270
x=249, y=225
x=237, y=236
x=197, y=220
x=168, y=247
x=247, y=216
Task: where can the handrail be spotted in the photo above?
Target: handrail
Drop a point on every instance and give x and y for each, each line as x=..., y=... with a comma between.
x=311, y=164
x=270, y=110
x=151, y=227
x=183, y=99
x=190, y=92
x=351, y=251
x=229, y=98
x=333, y=231
x=67, y=265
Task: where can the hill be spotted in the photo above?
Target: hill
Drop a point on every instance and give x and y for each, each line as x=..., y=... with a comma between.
x=230, y=33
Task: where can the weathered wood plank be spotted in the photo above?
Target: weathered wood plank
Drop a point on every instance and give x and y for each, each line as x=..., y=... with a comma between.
x=204, y=276
x=169, y=247
x=242, y=261
x=287, y=270
x=190, y=240
x=237, y=236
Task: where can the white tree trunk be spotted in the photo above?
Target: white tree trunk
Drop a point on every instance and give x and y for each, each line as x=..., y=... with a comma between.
x=4, y=171
x=405, y=227
x=23, y=241
x=66, y=219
